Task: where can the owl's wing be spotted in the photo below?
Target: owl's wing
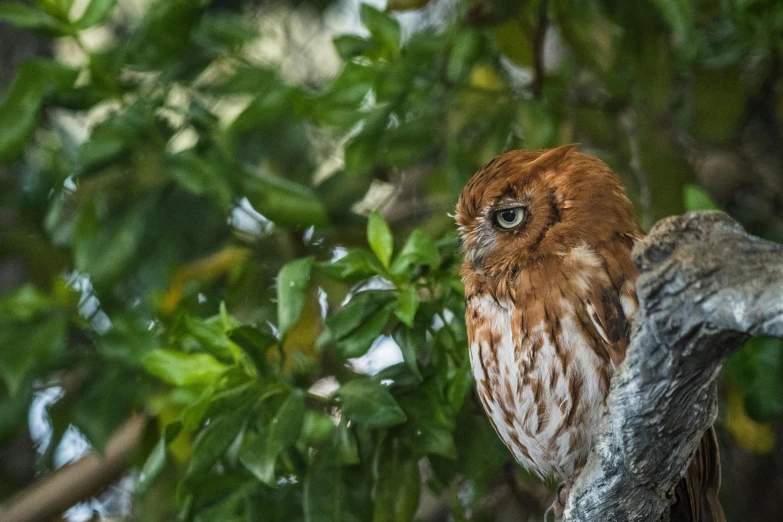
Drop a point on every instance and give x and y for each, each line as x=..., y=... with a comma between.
x=607, y=316
x=611, y=308
x=612, y=303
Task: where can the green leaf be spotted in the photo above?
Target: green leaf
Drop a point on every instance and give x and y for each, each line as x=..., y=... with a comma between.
x=370, y=404
x=292, y=292
x=211, y=336
x=202, y=176
x=228, y=508
x=350, y=45
x=459, y=386
x=356, y=265
x=214, y=440
x=156, y=460
x=356, y=343
x=183, y=369
x=334, y=492
x=466, y=50
x=317, y=429
x=24, y=348
x=353, y=314
x=345, y=443
x=115, y=136
x=431, y=421
x=337, y=104
x=718, y=99
x=260, y=454
x=25, y=303
x=694, y=198
x=254, y=342
x=407, y=304
x=397, y=485
x=222, y=32
x=164, y=32
x=360, y=322
x=104, y=405
x=323, y=491
x=14, y=410
x=29, y=17
x=284, y=202
x=106, y=250
x=419, y=249
x=410, y=340
x=758, y=370
x=679, y=14
x=379, y=237
x=384, y=29
x=35, y=81
x=97, y=12
x=152, y=467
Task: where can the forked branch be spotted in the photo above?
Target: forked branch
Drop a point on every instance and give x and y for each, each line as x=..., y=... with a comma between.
x=704, y=287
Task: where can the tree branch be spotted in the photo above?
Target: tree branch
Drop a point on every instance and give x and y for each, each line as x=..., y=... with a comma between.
x=704, y=287
x=88, y=476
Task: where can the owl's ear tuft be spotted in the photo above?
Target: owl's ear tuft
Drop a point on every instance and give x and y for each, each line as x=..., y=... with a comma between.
x=552, y=157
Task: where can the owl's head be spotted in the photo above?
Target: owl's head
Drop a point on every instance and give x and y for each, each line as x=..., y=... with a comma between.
x=528, y=204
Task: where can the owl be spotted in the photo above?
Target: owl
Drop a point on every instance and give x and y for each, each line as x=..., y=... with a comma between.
x=550, y=296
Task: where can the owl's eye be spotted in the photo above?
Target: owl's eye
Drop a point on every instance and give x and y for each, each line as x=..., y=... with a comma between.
x=509, y=218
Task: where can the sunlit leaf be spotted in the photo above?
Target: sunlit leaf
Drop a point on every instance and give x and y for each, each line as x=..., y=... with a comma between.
x=182, y=369
x=379, y=237
x=694, y=198
x=211, y=336
x=25, y=303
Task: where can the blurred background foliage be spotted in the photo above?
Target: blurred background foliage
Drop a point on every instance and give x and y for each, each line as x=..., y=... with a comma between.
x=231, y=218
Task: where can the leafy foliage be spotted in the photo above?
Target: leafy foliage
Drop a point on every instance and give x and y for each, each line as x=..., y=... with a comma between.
x=186, y=261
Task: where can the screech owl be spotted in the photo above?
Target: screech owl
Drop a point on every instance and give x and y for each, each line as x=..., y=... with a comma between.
x=550, y=297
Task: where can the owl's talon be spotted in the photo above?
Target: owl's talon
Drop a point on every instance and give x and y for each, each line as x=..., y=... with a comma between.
x=561, y=496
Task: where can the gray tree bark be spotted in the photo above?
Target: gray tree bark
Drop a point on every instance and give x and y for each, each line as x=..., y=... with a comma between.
x=705, y=286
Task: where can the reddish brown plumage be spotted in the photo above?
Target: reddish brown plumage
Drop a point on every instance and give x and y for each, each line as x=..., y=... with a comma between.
x=549, y=300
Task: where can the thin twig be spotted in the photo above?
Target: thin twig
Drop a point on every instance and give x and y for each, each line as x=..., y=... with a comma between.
x=628, y=123
x=538, y=49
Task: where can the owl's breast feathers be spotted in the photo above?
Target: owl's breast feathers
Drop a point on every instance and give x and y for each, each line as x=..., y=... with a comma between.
x=544, y=343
